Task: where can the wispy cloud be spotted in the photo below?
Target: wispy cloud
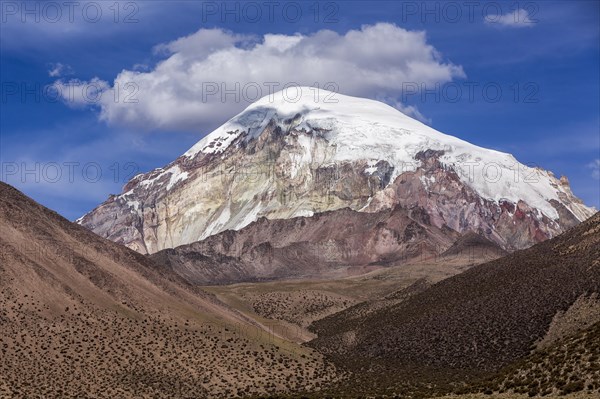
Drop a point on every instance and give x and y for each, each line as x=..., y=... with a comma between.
x=58, y=70
x=409, y=110
x=78, y=94
x=595, y=167
x=519, y=18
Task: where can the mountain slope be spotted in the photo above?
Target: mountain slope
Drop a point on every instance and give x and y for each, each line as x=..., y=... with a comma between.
x=82, y=316
x=288, y=156
x=474, y=323
x=327, y=245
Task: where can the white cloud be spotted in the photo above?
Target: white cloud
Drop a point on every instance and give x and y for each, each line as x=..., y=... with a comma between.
x=519, y=18
x=375, y=61
x=595, y=167
x=57, y=70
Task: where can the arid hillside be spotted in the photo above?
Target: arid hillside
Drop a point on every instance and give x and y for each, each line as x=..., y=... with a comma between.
x=82, y=316
x=475, y=323
x=570, y=364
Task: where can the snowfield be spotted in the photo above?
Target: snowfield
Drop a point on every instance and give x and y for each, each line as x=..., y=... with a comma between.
x=363, y=129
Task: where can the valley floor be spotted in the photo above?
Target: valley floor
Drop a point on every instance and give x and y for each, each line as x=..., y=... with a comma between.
x=289, y=307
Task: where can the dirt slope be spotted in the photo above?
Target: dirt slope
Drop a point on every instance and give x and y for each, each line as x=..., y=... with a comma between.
x=82, y=316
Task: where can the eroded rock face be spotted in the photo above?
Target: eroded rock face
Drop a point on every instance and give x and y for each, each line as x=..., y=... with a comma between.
x=280, y=161
x=446, y=201
x=326, y=245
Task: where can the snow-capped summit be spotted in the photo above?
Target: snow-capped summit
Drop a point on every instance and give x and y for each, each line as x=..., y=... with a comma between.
x=303, y=151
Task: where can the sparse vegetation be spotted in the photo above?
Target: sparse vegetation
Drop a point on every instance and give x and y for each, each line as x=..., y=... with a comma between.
x=101, y=353
x=89, y=318
x=570, y=365
x=298, y=307
x=473, y=325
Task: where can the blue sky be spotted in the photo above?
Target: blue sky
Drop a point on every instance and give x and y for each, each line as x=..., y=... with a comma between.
x=542, y=56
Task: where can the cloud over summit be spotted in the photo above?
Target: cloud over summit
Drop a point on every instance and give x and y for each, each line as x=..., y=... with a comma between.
x=212, y=74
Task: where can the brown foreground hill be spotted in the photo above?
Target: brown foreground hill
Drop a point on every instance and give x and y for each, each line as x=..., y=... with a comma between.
x=513, y=316
x=81, y=316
